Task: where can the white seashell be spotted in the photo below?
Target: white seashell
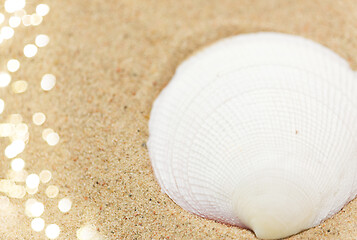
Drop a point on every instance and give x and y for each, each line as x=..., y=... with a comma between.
x=259, y=131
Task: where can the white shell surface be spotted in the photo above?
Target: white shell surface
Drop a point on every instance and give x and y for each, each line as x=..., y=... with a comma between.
x=259, y=131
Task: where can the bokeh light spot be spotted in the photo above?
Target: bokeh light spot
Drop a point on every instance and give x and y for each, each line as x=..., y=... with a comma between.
x=17, y=164
x=26, y=20
x=52, y=138
x=34, y=208
x=48, y=82
x=36, y=19
x=17, y=176
x=45, y=176
x=37, y=224
x=2, y=18
x=17, y=191
x=46, y=132
x=4, y=202
x=14, y=21
x=20, y=13
x=7, y=32
x=20, y=132
x=42, y=9
x=14, y=5
x=38, y=118
x=30, y=50
x=13, y=65
x=52, y=191
x=6, y=129
x=15, y=148
x=52, y=231
x=2, y=106
x=65, y=205
x=15, y=118
x=42, y=40
x=29, y=203
x=89, y=232
x=32, y=180
x=31, y=191
x=5, y=79
x=19, y=86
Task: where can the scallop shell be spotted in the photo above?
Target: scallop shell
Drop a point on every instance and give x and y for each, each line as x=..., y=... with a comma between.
x=258, y=131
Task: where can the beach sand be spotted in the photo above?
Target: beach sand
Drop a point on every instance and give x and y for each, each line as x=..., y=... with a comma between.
x=111, y=59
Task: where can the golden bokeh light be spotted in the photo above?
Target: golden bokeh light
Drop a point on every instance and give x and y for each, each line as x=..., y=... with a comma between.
x=12, y=6
x=45, y=176
x=7, y=32
x=38, y=118
x=5, y=79
x=15, y=118
x=65, y=205
x=37, y=209
x=26, y=20
x=37, y=224
x=14, y=21
x=17, y=176
x=2, y=18
x=15, y=148
x=18, y=183
x=42, y=40
x=52, y=191
x=32, y=181
x=2, y=106
x=48, y=82
x=36, y=19
x=6, y=129
x=4, y=202
x=20, y=13
x=21, y=129
x=13, y=65
x=19, y=86
x=52, y=231
x=31, y=191
x=20, y=132
x=30, y=50
x=34, y=208
x=29, y=203
x=17, y=164
x=17, y=191
x=52, y=138
x=46, y=132
x=89, y=232
x=6, y=185
x=42, y=9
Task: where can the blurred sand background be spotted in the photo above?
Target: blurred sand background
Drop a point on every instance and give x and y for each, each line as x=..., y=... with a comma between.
x=111, y=59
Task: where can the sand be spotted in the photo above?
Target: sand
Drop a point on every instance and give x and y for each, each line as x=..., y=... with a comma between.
x=111, y=59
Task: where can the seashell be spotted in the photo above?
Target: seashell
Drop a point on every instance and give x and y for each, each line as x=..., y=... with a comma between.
x=258, y=131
